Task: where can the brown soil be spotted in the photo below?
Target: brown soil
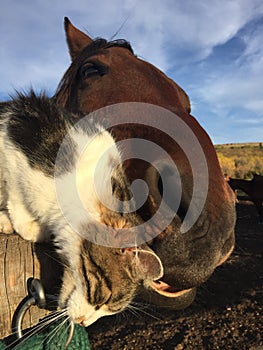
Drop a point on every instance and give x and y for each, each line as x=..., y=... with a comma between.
x=226, y=314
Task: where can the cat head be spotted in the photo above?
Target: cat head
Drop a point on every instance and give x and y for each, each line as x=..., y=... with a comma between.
x=105, y=280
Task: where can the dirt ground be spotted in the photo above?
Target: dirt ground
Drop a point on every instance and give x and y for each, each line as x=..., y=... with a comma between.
x=226, y=314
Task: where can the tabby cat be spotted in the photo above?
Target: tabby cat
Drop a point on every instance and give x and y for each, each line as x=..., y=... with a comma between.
x=98, y=279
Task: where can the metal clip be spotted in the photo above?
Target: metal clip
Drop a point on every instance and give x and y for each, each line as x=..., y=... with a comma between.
x=36, y=290
x=36, y=296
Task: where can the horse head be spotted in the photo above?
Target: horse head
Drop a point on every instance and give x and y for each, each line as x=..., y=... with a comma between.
x=200, y=234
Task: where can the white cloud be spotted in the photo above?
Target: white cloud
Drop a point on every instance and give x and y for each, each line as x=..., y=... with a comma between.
x=240, y=85
x=193, y=27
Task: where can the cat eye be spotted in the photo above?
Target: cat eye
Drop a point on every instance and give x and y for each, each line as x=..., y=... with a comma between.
x=91, y=69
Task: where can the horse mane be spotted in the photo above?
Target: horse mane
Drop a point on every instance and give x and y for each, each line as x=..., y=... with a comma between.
x=66, y=86
x=100, y=43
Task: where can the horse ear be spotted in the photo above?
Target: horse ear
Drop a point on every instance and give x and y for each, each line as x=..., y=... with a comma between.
x=146, y=265
x=76, y=39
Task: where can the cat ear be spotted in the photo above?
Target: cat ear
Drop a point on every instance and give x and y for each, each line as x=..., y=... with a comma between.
x=76, y=39
x=146, y=265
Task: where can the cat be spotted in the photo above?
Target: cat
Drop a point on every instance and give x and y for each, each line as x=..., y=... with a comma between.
x=41, y=150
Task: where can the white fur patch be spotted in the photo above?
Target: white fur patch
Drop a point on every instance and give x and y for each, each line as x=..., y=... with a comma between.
x=81, y=311
x=30, y=194
x=94, y=171
x=80, y=191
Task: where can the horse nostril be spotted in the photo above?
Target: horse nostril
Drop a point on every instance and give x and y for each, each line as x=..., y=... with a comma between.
x=173, y=191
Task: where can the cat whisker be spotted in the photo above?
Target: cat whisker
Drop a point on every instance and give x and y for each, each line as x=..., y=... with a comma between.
x=43, y=324
x=63, y=264
x=141, y=308
x=49, y=319
x=57, y=329
x=134, y=311
x=52, y=301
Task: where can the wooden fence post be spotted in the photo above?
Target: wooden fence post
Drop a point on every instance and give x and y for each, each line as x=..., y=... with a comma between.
x=20, y=260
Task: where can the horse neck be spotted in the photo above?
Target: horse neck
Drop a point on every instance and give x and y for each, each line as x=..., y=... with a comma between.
x=243, y=185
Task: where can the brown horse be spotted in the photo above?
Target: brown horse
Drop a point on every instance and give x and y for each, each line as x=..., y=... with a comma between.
x=106, y=73
x=253, y=188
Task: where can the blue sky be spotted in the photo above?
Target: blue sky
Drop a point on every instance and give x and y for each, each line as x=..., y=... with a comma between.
x=212, y=48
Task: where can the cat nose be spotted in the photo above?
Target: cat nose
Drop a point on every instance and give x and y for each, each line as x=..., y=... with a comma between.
x=81, y=321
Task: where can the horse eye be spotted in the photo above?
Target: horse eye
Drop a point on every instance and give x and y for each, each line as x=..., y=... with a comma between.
x=91, y=69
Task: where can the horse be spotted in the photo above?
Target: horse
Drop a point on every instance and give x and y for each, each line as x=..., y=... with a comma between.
x=253, y=188
x=107, y=75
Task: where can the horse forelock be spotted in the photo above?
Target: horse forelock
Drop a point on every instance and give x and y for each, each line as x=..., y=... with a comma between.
x=101, y=43
x=65, y=89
